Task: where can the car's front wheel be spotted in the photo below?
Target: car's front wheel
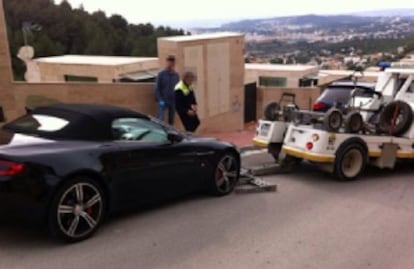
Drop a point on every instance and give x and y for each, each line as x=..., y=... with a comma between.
x=77, y=210
x=226, y=175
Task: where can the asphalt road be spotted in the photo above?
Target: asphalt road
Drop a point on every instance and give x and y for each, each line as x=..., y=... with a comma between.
x=311, y=222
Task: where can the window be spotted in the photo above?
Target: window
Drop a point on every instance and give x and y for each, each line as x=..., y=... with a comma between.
x=308, y=82
x=272, y=81
x=364, y=93
x=135, y=129
x=69, y=78
x=43, y=123
x=402, y=82
x=336, y=94
x=411, y=88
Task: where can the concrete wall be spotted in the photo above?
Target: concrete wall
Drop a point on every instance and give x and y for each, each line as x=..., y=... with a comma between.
x=125, y=95
x=292, y=76
x=218, y=63
x=55, y=72
x=305, y=97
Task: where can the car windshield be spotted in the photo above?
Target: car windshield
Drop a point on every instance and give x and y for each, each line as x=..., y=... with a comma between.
x=342, y=95
x=34, y=123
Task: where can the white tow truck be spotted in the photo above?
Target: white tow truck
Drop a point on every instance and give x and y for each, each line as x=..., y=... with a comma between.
x=376, y=128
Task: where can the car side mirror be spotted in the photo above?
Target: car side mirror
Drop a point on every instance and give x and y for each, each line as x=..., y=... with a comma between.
x=174, y=137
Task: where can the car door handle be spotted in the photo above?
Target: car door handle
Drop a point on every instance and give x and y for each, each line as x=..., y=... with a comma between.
x=105, y=146
x=205, y=153
x=188, y=154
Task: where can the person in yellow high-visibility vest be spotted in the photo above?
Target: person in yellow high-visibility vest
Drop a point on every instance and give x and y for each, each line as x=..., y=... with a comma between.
x=186, y=103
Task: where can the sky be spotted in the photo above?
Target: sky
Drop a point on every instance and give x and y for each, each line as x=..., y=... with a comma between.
x=199, y=12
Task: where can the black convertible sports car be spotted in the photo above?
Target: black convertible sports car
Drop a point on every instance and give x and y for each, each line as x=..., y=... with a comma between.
x=75, y=163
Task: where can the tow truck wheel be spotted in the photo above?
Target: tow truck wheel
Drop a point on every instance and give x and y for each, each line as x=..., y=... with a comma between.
x=350, y=161
x=354, y=123
x=333, y=120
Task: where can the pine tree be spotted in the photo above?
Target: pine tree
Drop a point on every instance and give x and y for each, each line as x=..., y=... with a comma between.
x=68, y=30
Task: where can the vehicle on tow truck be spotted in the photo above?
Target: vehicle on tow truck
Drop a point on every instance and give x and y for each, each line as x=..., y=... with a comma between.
x=376, y=128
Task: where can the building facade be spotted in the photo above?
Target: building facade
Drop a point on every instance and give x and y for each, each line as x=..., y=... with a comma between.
x=281, y=75
x=83, y=68
x=218, y=62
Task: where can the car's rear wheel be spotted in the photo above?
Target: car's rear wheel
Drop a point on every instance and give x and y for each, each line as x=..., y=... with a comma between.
x=77, y=210
x=226, y=175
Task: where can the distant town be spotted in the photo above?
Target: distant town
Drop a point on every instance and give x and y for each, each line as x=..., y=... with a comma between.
x=331, y=42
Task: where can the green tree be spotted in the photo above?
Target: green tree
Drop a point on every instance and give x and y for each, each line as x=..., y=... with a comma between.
x=68, y=30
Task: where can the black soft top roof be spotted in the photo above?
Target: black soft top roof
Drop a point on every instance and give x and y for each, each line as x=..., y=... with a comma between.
x=86, y=121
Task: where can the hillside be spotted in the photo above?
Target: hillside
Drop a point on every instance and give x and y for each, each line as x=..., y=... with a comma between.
x=311, y=22
x=311, y=19
x=67, y=30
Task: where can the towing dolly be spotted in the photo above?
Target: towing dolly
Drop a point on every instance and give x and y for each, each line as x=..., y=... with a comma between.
x=375, y=129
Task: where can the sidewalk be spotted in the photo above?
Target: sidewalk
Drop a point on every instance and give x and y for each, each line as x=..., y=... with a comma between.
x=241, y=139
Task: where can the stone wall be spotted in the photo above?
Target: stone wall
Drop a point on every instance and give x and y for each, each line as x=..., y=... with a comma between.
x=134, y=96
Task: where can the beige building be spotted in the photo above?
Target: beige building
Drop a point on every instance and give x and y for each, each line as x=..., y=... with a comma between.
x=281, y=75
x=408, y=60
x=218, y=62
x=102, y=69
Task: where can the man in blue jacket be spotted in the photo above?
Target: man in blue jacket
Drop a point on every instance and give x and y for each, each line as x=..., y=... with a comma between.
x=164, y=90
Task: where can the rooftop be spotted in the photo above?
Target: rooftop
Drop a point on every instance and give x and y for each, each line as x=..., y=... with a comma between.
x=280, y=67
x=409, y=58
x=202, y=36
x=93, y=60
x=346, y=73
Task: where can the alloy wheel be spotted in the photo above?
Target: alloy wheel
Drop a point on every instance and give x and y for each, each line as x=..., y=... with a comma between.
x=226, y=174
x=80, y=210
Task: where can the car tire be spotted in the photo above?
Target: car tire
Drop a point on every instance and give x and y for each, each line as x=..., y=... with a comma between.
x=77, y=210
x=354, y=123
x=351, y=160
x=226, y=175
x=404, y=116
x=333, y=120
x=271, y=111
